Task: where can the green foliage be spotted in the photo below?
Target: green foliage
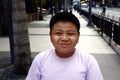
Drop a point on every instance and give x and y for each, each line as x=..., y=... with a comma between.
x=31, y=5
x=36, y=2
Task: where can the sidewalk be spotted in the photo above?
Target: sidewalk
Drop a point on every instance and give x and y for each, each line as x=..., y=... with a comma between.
x=89, y=42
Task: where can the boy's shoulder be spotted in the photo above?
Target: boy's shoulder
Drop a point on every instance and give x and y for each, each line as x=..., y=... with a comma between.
x=44, y=54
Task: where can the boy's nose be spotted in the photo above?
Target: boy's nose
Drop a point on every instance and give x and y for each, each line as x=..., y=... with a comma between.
x=64, y=37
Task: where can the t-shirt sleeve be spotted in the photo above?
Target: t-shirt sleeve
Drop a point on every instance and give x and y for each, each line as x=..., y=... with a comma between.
x=34, y=71
x=93, y=70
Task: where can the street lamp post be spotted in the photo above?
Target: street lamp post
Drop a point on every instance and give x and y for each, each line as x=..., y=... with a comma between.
x=40, y=13
x=65, y=5
x=90, y=14
x=10, y=26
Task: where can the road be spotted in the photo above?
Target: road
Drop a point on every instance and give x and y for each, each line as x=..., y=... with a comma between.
x=111, y=13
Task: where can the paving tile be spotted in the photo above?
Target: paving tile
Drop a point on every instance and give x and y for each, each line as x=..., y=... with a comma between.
x=108, y=74
x=117, y=72
x=40, y=43
x=94, y=44
x=4, y=44
x=38, y=31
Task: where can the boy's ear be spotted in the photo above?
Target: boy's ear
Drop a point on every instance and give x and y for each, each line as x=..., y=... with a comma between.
x=79, y=33
x=50, y=36
x=49, y=33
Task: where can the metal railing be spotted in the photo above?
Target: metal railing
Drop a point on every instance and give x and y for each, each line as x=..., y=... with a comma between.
x=108, y=29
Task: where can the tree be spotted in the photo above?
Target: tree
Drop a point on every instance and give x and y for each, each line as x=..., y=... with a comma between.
x=3, y=18
x=56, y=6
x=22, y=54
x=40, y=14
x=65, y=6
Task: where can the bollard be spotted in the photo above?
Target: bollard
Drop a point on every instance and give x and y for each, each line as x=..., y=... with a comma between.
x=119, y=21
x=113, y=19
x=108, y=15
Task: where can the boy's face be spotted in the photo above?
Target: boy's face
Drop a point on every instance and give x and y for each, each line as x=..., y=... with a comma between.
x=64, y=37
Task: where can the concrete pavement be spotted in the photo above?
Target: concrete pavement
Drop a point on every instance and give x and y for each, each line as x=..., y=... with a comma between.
x=89, y=41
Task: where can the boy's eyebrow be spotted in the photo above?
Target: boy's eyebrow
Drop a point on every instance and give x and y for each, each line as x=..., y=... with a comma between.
x=57, y=30
x=71, y=30
x=67, y=30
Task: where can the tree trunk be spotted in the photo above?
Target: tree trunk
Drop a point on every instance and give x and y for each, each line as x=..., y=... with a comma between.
x=4, y=25
x=40, y=14
x=22, y=54
x=56, y=6
x=65, y=6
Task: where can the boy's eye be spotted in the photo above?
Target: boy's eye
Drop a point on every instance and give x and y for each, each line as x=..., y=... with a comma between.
x=71, y=33
x=58, y=33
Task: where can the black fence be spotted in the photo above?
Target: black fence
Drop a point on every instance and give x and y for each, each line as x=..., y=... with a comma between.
x=116, y=34
x=106, y=27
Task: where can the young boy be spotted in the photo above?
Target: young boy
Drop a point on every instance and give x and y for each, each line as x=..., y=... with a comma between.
x=65, y=62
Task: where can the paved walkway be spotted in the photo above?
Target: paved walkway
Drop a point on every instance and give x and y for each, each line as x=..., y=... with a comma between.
x=89, y=41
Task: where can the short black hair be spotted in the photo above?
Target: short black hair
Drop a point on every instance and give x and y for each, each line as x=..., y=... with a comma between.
x=65, y=17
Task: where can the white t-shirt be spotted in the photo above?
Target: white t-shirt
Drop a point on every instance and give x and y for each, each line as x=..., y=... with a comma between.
x=48, y=66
